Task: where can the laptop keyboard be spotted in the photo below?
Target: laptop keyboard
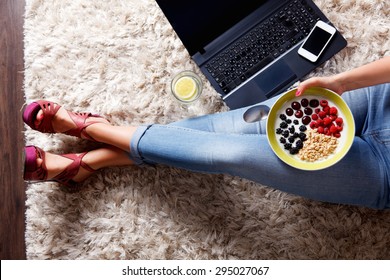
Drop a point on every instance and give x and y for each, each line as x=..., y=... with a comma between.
x=260, y=46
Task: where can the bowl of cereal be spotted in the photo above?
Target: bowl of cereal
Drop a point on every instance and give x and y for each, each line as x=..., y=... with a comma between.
x=312, y=131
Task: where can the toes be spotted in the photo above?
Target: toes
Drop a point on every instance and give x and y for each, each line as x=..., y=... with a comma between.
x=39, y=162
x=38, y=119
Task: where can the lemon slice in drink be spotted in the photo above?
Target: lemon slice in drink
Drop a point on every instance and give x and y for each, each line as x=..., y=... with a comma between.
x=185, y=88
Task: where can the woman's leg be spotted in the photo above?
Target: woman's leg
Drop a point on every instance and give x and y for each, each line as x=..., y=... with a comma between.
x=250, y=157
x=96, y=159
x=361, y=178
x=118, y=136
x=227, y=122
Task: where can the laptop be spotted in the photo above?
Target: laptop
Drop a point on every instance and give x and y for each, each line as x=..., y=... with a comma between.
x=248, y=49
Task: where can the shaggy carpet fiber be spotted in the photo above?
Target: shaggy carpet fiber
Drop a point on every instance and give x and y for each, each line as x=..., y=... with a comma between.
x=117, y=58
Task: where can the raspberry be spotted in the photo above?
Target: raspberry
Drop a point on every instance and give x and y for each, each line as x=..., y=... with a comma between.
x=320, y=123
x=322, y=114
x=337, y=135
x=323, y=103
x=326, y=131
x=313, y=125
x=339, y=121
x=320, y=129
x=327, y=121
x=326, y=109
x=333, y=129
x=333, y=111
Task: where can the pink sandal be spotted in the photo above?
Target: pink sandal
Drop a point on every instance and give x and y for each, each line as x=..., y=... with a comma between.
x=49, y=110
x=34, y=173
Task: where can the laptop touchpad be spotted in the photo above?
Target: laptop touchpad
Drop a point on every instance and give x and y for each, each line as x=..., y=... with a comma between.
x=275, y=78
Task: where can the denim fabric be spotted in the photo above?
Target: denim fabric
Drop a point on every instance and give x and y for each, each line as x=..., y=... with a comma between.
x=225, y=143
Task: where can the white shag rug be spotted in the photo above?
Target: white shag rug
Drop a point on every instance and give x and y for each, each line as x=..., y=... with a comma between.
x=117, y=58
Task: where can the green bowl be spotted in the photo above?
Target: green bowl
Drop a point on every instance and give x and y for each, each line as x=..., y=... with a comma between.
x=345, y=141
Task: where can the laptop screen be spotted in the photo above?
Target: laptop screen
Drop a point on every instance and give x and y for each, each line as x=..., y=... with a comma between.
x=198, y=22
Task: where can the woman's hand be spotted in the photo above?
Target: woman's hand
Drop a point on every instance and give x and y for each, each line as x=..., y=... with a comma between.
x=325, y=82
x=374, y=73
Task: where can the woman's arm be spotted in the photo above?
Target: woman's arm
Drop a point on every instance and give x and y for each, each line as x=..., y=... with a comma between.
x=374, y=73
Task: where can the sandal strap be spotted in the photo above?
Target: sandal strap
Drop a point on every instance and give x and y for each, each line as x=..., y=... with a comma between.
x=49, y=110
x=34, y=173
x=66, y=177
x=80, y=120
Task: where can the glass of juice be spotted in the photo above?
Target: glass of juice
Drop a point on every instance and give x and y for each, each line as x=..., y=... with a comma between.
x=186, y=87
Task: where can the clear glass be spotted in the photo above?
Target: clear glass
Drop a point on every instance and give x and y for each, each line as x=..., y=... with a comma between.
x=196, y=82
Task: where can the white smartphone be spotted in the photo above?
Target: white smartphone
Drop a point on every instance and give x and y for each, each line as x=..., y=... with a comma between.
x=317, y=40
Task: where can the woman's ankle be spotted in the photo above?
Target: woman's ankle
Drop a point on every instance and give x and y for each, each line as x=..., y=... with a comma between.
x=56, y=164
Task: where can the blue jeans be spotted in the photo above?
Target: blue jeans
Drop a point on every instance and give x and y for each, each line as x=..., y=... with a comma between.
x=225, y=143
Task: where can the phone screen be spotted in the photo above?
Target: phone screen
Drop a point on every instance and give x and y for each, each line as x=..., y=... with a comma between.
x=317, y=41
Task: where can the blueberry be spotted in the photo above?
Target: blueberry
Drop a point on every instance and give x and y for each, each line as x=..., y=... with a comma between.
x=296, y=135
x=283, y=117
x=288, y=121
x=299, y=144
x=302, y=136
x=291, y=129
x=282, y=140
x=302, y=128
x=296, y=122
x=283, y=125
x=287, y=146
x=291, y=139
x=279, y=131
x=285, y=133
x=294, y=151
